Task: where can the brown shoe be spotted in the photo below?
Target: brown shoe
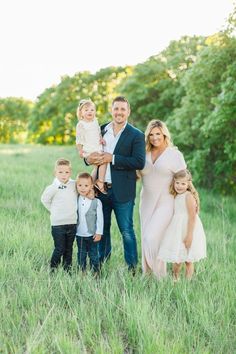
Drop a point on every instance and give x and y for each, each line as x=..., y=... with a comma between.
x=101, y=187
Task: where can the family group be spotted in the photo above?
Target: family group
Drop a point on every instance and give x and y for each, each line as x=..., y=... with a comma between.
x=81, y=209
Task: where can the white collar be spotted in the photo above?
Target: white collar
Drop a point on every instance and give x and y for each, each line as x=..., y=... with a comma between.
x=109, y=126
x=58, y=183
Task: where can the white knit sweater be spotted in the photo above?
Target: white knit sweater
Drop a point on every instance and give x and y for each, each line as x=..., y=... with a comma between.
x=61, y=200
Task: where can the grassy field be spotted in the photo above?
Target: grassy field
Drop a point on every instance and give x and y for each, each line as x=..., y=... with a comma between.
x=118, y=313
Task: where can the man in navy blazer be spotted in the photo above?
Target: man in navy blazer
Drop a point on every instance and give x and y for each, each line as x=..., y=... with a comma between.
x=125, y=146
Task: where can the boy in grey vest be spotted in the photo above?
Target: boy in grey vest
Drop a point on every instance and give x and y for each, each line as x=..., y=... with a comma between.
x=89, y=224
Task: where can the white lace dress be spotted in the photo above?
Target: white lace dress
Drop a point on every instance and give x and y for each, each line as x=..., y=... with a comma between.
x=172, y=248
x=88, y=134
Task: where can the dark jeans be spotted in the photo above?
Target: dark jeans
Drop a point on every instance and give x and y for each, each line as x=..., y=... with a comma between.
x=87, y=247
x=124, y=217
x=63, y=236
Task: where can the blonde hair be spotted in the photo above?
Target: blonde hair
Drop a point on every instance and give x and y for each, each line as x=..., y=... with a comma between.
x=82, y=103
x=185, y=174
x=62, y=162
x=156, y=123
x=84, y=175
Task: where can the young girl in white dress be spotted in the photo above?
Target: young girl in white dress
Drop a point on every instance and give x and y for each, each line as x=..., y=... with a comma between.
x=184, y=240
x=88, y=138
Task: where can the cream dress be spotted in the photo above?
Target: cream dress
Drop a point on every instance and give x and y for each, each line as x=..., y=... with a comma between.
x=88, y=134
x=172, y=248
x=157, y=205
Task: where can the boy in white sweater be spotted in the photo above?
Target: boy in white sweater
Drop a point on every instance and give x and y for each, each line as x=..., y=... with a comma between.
x=60, y=198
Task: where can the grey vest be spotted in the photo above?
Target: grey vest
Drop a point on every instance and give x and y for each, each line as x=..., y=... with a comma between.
x=91, y=217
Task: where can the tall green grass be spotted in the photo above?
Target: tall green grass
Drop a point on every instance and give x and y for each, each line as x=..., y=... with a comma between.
x=117, y=313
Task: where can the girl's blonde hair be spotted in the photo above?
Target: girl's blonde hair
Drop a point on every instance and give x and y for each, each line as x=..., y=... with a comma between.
x=83, y=103
x=185, y=174
x=156, y=123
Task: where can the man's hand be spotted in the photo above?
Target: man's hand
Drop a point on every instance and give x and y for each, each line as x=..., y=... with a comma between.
x=96, y=238
x=95, y=158
x=107, y=158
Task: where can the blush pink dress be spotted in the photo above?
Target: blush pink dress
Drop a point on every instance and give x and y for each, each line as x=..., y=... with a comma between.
x=157, y=206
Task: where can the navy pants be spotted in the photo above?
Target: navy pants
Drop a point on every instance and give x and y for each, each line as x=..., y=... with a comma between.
x=124, y=217
x=87, y=248
x=63, y=237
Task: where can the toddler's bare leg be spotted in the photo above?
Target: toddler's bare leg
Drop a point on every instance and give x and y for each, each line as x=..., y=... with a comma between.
x=94, y=174
x=102, y=172
x=189, y=270
x=176, y=270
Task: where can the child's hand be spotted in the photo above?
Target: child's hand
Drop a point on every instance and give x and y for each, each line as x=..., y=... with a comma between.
x=188, y=241
x=97, y=238
x=138, y=174
x=102, y=141
x=91, y=194
x=81, y=153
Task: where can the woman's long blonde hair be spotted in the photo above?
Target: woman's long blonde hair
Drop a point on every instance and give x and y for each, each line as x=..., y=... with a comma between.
x=185, y=174
x=156, y=123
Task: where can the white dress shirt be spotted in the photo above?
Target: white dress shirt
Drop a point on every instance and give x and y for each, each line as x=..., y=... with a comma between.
x=83, y=206
x=111, y=141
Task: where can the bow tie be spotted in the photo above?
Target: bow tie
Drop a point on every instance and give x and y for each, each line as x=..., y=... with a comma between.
x=62, y=187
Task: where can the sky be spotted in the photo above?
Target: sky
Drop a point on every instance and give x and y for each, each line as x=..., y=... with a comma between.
x=42, y=40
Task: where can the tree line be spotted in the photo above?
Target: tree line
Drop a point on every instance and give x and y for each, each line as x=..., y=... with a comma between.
x=191, y=85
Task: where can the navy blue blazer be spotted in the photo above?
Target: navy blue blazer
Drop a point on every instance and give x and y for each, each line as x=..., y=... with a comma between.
x=129, y=157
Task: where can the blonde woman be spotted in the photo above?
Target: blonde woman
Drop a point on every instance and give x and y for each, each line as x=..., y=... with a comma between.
x=156, y=203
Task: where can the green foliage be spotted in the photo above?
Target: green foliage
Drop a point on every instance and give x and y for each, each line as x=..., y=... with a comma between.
x=154, y=89
x=220, y=127
x=202, y=126
x=14, y=117
x=53, y=119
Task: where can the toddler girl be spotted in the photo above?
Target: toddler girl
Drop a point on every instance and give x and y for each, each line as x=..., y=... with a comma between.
x=184, y=240
x=88, y=138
